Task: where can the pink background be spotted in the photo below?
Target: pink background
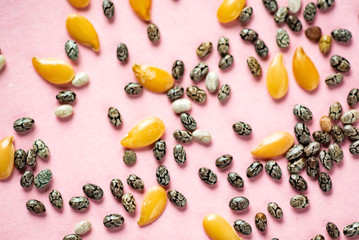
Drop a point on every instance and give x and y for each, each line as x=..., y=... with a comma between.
x=86, y=148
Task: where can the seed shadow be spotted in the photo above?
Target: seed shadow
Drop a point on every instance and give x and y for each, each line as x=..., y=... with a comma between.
x=117, y=229
x=97, y=201
x=41, y=215
x=157, y=43
x=281, y=99
x=45, y=189
x=301, y=210
x=244, y=211
x=65, y=119
x=230, y=24
x=27, y=132
x=253, y=179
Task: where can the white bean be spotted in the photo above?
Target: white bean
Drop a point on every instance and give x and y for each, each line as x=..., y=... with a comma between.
x=80, y=79
x=2, y=61
x=181, y=105
x=83, y=227
x=202, y=136
x=212, y=82
x=294, y=5
x=64, y=111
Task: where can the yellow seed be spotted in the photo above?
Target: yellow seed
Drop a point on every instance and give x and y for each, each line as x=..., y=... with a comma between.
x=325, y=43
x=229, y=10
x=6, y=157
x=53, y=70
x=79, y=3
x=325, y=124
x=274, y=145
x=82, y=31
x=217, y=228
x=277, y=78
x=142, y=8
x=305, y=72
x=153, y=205
x=152, y=78
x=146, y=132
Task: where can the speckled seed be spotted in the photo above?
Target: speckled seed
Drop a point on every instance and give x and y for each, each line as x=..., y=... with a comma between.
x=351, y=132
x=260, y=220
x=122, y=52
x=302, y=113
x=188, y=121
x=20, y=159
x=298, y=182
x=199, y=72
x=318, y=237
x=177, y=198
x=326, y=160
x=72, y=50
x=80, y=79
x=55, y=199
x=43, y=178
x=224, y=93
x=325, y=124
x=335, y=152
x=242, y=128
x=223, y=45
x=273, y=170
x=93, y=191
x=79, y=203
x=181, y=105
x=297, y=165
x=261, y=48
x=335, y=111
x=113, y=221
x=153, y=32
x=235, y=180
x=23, y=124
x=274, y=210
x=332, y=230
x=175, y=93
x=325, y=183
x=64, y=111
x=177, y=69
x=254, y=66
x=129, y=157
x=302, y=133
x=294, y=23
x=334, y=79
x=337, y=133
x=66, y=96
x=282, y=38
x=341, y=35
x=322, y=137
x=294, y=5
x=242, y=227
x=324, y=4
x=182, y=136
x=202, y=136
x=135, y=182
x=339, y=63
x=238, y=203
x=35, y=206
x=299, y=201
x=312, y=168
x=114, y=116
x=281, y=15
x=312, y=149
x=354, y=148
x=310, y=11
x=226, y=61
x=207, y=176
x=159, y=149
x=133, y=88
x=204, y=49
x=246, y=14
x=108, y=8
x=116, y=187
x=212, y=82
x=313, y=33
x=254, y=169
x=248, y=34
x=162, y=176
x=83, y=227
x=128, y=202
x=179, y=154
x=351, y=230
x=31, y=158
x=270, y=5
x=72, y=237
x=353, y=97
x=325, y=43
x=295, y=152
x=27, y=179
x=224, y=161
x=350, y=117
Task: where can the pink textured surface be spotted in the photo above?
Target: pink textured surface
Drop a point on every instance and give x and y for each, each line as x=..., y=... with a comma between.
x=86, y=148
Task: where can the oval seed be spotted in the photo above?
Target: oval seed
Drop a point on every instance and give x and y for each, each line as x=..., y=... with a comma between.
x=20, y=159
x=298, y=182
x=56, y=199
x=241, y=128
x=122, y=52
x=43, y=179
x=135, y=182
x=80, y=79
x=335, y=111
x=108, y=8
x=297, y=165
x=64, y=111
x=129, y=157
x=351, y=230
x=159, y=149
x=282, y=38
x=83, y=227
x=281, y=15
x=270, y=5
x=254, y=169
x=350, y=117
x=113, y=221
x=23, y=124
x=302, y=113
x=274, y=210
x=294, y=23
x=322, y=137
x=261, y=48
x=242, y=226
x=324, y=4
x=294, y=5
x=199, y=72
x=224, y=161
x=202, y=136
x=204, y=49
x=35, y=206
x=177, y=69
x=27, y=179
x=196, y=94
x=182, y=136
x=66, y=96
x=31, y=158
x=238, y=203
x=334, y=79
x=225, y=62
x=235, y=180
x=312, y=149
x=326, y=160
x=354, y=148
x=207, y=176
x=299, y=201
x=313, y=33
x=312, y=168
x=72, y=237
x=325, y=43
x=79, y=203
x=72, y=50
x=332, y=230
x=261, y=221
x=188, y=121
x=114, y=116
x=175, y=93
x=116, y=187
x=273, y=170
x=177, y=198
x=318, y=237
x=93, y=191
x=181, y=105
x=223, y=45
x=325, y=124
x=337, y=133
x=248, y=34
x=179, y=154
x=133, y=88
x=302, y=133
x=162, y=176
x=153, y=32
x=41, y=149
x=212, y=82
x=310, y=11
x=128, y=202
x=351, y=132
x=341, y=35
x=325, y=183
x=245, y=14
x=295, y=152
x=353, y=97
x=254, y=66
x=339, y=63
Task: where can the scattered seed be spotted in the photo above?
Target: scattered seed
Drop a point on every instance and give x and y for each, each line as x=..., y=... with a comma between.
x=246, y=14
x=114, y=116
x=294, y=23
x=113, y=221
x=153, y=32
x=318, y=237
x=108, y=8
x=325, y=43
x=83, y=227
x=325, y=183
x=235, y=180
x=207, y=176
x=72, y=50
x=273, y=170
x=181, y=105
x=175, y=93
x=335, y=111
x=326, y=160
x=297, y=165
x=55, y=199
x=295, y=152
x=204, y=49
x=35, y=206
x=282, y=38
x=337, y=133
x=274, y=210
x=238, y=203
x=341, y=35
x=298, y=182
x=322, y=137
x=270, y=5
x=248, y=34
x=31, y=158
x=302, y=133
x=199, y=72
x=93, y=191
x=223, y=45
x=339, y=63
x=350, y=117
x=177, y=198
x=312, y=167
x=309, y=12
x=20, y=159
x=64, y=111
x=313, y=33
x=212, y=82
x=302, y=113
x=351, y=132
x=351, y=230
x=281, y=15
x=202, y=136
x=128, y=202
x=163, y=176
x=43, y=178
x=325, y=124
x=353, y=97
x=224, y=161
x=23, y=124
x=72, y=237
x=122, y=52
x=324, y=4
x=242, y=227
x=41, y=149
x=261, y=48
x=182, y=136
x=135, y=182
x=226, y=61
x=332, y=230
x=179, y=154
x=177, y=69
x=129, y=157
x=27, y=179
x=242, y=128
x=312, y=149
x=188, y=121
x=2, y=61
x=79, y=203
x=294, y=5
x=354, y=148
x=254, y=66
x=116, y=187
x=299, y=201
x=260, y=220
x=159, y=149
x=80, y=79
x=66, y=96
x=133, y=88
x=224, y=93
x=254, y=169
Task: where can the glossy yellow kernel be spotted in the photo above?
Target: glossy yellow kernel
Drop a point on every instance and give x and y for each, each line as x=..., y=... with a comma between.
x=146, y=132
x=82, y=31
x=304, y=70
x=53, y=70
x=152, y=78
x=217, y=228
x=229, y=10
x=6, y=157
x=153, y=205
x=274, y=145
x=79, y=3
x=142, y=8
x=277, y=78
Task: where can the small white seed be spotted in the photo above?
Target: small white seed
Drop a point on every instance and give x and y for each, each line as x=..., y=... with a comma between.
x=181, y=105
x=83, y=227
x=2, y=61
x=80, y=79
x=350, y=117
x=202, y=136
x=64, y=111
x=212, y=82
x=294, y=5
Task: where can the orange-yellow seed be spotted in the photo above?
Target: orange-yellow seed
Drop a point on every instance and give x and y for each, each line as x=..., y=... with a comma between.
x=6, y=157
x=142, y=8
x=79, y=3
x=217, y=228
x=229, y=10
x=325, y=124
x=277, y=78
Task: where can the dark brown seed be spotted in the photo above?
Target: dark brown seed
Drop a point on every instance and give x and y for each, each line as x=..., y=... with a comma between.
x=128, y=202
x=302, y=113
x=162, y=176
x=226, y=61
x=325, y=183
x=294, y=23
x=223, y=45
x=20, y=159
x=31, y=158
x=273, y=170
x=116, y=187
x=129, y=157
x=79, y=203
x=177, y=69
x=159, y=149
x=182, y=136
x=238, y=203
x=66, y=96
x=242, y=227
x=297, y=165
x=339, y=63
x=335, y=152
x=318, y=237
x=93, y=191
x=322, y=137
x=310, y=11
x=122, y=52
x=188, y=121
x=177, y=198
x=207, y=176
x=35, y=206
x=354, y=148
x=56, y=199
x=245, y=14
x=298, y=182
x=341, y=35
x=199, y=72
x=153, y=32
x=248, y=34
x=332, y=230
x=270, y=5
x=261, y=48
x=224, y=161
x=113, y=221
x=23, y=124
x=175, y=93
x=242, y=128
x=114, y=116
x=179, y=154
x=261, y=221
x=254, y=169
x=295, y=152
x=313, y=33
x=335, y=111
x=235, y=180
x=254, y=66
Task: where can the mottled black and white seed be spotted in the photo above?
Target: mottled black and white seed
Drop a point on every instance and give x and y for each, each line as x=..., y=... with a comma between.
x=312, y=149
x=350, y=117
x=207, y=176
x=238, y=203
x=334, y=79
x=55, y=199
x=116, y=187
x=332, y=230
x=337, y=133
x=302, y=133
x=298, y=182
x=224, y=93
x=113, y=221
x=20, y=159
x=199, y=72
x=339, y=63
x=335, y=111
x=72, y=237
x=261, y=48
x=282, y=38
x=351, y=132
x=196, y=94
x=31, y=158
x=326, y=159
x=260, y=220
x=322, y=137
x=35, y=206
x=325, y=183
x=336, y=152
x=188, y=121
x=177, y=198
x=299, y=201
x=242, y=128
x=354, y=148
x=135, y=182
x=297, y=165
x=92, y=191
x=324, y=4
x=295, y=152
x=122, y=52
x=224, y=161
x=273, y=170
x=72, y=50
x=302, y=113
x=294, y=23
x=246, y=14
x=351, y=230
x=162, y=176
x=310, y=11
x=204, y=49
x=175, y=93
x=353, y=97
x=226, y=61
x=223, y=45
x=114, y=116
x=177, y=69
x=129, y=157
x=159, y=149
x=41, y=149
x=66, y=96
x=242, y=227
x=27, y=179
x=254, y=169
x=318, y=237
x=128, y=202
x=179, y=154
x=281, y=15
x=108, y=8
x=182, y=136
x=23, y=124
x=235, y=180
x=254, y=66
x=270, y=5
x=43, y=179
x=79, y=202
x=153, y=32
x=133, y=88
x=248, y=34
x=274, y=210
x=312, y=167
